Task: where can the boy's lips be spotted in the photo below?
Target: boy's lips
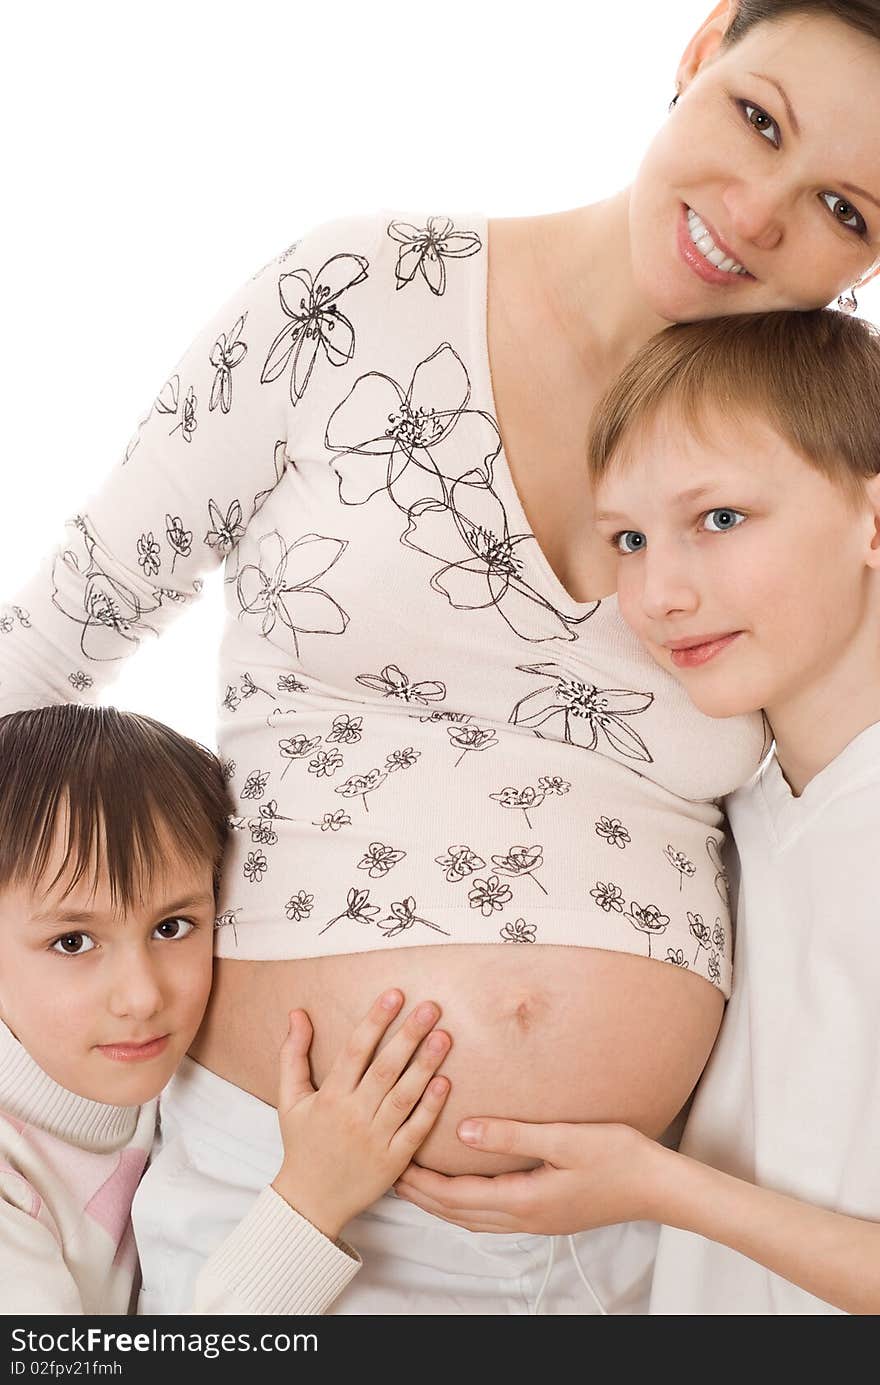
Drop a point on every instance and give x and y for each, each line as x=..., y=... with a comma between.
x=700, y=649
x=131, y=1052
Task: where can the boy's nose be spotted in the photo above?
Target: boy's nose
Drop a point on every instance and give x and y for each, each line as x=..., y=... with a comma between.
x=135, y=992
x=667, y=590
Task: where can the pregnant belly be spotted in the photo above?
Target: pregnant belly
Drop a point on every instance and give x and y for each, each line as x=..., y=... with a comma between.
x=538, y=1033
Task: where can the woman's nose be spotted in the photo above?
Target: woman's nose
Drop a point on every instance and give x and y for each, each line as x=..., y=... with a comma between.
x=755, y=210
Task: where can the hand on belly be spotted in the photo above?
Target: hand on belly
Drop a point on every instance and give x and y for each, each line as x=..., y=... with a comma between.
x=538, y=1033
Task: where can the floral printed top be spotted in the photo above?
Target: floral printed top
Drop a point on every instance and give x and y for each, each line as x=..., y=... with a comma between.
x=428, y=740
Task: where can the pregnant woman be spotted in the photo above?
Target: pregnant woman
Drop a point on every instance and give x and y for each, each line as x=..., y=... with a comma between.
x=457, y=772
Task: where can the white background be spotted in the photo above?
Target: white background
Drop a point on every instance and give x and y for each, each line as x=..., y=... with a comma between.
x=157, y=155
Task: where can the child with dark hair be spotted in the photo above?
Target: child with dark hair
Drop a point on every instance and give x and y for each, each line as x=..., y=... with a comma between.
x=112, y=830
x=737, y=472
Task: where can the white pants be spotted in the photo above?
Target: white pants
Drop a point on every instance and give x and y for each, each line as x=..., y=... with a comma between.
x=219, y=1147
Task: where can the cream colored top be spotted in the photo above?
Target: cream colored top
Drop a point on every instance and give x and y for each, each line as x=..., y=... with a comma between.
x=429, y=741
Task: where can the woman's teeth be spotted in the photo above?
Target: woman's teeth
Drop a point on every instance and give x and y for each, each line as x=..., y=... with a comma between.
x=707, y=247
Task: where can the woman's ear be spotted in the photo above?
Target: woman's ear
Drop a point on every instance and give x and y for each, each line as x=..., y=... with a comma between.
x=705, y=42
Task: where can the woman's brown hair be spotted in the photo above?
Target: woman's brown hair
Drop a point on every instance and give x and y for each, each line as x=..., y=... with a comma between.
x=119, y=785
x=859, y=14
x=814, y=377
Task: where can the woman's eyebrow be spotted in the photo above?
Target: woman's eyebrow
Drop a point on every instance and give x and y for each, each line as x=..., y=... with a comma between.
x=861, y=192
x=789, y=109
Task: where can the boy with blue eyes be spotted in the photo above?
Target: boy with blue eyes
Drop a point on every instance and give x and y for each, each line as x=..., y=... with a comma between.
x=112, y=830
x=736, y=468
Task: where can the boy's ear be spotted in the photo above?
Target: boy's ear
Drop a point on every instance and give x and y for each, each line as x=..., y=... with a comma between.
x=872, y=495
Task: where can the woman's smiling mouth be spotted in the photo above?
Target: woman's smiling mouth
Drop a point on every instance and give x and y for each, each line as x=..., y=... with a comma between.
x=704, y=253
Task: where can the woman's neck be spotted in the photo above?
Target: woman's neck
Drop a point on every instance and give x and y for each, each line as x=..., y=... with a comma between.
x=582, y=262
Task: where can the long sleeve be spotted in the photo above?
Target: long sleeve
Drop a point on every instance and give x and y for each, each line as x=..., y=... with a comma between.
x=274, y=1262
x=204, y=459
x=33, y=1273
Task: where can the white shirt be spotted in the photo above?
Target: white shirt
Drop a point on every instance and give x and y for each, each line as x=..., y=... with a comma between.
x=790, y=1099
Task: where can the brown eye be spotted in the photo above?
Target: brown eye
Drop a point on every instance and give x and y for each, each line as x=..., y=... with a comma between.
x=844, y=212
x=172, y=929
x=71, y=944
x=762, y=122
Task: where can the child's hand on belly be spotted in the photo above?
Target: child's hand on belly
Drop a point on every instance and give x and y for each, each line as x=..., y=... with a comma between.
x=346, y=1143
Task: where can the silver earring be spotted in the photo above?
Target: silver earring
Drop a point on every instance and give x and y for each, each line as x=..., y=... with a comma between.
x=847, y=302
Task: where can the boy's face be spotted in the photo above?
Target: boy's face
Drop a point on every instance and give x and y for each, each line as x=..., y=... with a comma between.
x=78, y=980
x=764, y=572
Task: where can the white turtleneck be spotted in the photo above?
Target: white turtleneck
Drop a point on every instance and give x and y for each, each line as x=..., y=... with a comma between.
x=69, y=1168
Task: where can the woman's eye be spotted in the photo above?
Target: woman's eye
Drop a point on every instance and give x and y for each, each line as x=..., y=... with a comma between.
x=724, y=520
x=72, y=944
x=629, y=541
x=172, y=929
x=844, y=212
x=762, y=122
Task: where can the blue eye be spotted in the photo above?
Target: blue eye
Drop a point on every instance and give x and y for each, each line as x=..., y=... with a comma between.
x=181, y=929
x=727, y=519
x=626, y=537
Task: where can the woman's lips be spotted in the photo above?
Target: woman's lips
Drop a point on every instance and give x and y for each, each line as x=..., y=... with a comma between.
x=701, y=653
x=697, y=262
x=134, y=1053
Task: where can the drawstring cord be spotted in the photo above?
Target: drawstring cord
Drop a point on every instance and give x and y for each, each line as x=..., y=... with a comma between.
x=551, y=1260
x=584, y=1280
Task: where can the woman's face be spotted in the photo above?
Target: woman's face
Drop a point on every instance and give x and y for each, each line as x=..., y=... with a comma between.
x=775, y=145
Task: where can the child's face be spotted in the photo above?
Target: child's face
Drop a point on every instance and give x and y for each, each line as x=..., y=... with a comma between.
x=76, y=979
x=765, y=571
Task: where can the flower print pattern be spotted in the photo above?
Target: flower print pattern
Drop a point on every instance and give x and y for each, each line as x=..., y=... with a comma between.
x=226, y=353
x=227, y=920
x=392, y=682
x=401, y=759
x=227, y=768
x=521, y=860
x=359, y=785
x=402, y=916
x=255, y=784
x=649, y=920
x=7, y=621
x=554, y=783
x=470, y=738
x=425, y=250
x=460, y=862
x=700, y=931
x=149, y=555
x=315, y=323
x=357, y=907
x=231, y=699
x=255, y=867
x=299, y=906
x=482, y=564
x=188, y=421
x=719, y=937
x=346, y=730
x=250, y=689
x=289, y=683
x=7, y=625
x=180, y=539
x=722, y=880
x=332, y=822
x=297, y=748
x=225, y=530
x=713, y=966
x=524, y=799
x=392, y=439
x=680, y=863
x=79, y=681
x=378, y=860
x=608, y=897
x=325, y=763
x=613, y=832
x=676, y=956
x=109, y=614
x=519, y=932
x=580, y=712
x=281, y=587
x=489, y=896
x=262, y=828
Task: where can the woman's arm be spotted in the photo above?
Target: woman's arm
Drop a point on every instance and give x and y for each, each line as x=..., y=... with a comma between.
x=596, y=1175
x=204, y=459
